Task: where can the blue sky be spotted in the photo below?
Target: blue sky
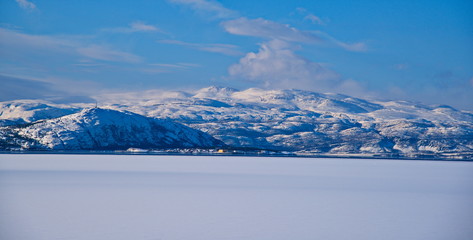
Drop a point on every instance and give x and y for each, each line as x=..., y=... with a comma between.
x=410, y=50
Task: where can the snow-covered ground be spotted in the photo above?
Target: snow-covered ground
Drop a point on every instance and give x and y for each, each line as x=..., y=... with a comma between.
x=224, y=198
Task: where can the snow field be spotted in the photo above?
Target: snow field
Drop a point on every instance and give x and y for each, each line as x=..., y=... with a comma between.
x=53, y=196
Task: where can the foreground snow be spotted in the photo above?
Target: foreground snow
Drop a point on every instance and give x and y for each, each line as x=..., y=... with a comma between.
x=181, y=197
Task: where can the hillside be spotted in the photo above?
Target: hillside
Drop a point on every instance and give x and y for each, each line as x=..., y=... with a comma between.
x=101, y=129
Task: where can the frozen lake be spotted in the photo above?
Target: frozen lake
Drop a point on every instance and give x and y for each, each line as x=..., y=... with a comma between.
x=88, y=197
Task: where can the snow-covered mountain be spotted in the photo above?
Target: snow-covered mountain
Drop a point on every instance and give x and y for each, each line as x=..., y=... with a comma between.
x=304, y=121
x=95, y=128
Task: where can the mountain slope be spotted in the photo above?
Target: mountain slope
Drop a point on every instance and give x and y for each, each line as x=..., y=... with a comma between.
x=93, y=129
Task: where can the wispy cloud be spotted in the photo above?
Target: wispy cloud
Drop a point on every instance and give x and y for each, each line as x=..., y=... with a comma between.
x=214, y=8
x=168, y=67
x=353, y=47
x=17, y=43
x=26, y=4
x=226, y=49
x=107, y=54
x=88, y=63
x=175, y=65
x=136, y=26
x=310, y=16
x=314, y=19
x=264, y=28
x=190, y=64
x=267, y=29
x=15, y=40
x=142, y=27
x=271, y=30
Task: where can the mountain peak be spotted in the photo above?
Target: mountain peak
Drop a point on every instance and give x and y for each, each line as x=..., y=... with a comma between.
x=105, y=112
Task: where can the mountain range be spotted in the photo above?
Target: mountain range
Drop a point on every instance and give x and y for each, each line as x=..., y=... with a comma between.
x=296, y=121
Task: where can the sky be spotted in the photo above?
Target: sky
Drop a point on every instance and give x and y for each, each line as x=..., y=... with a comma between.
x=401, y=50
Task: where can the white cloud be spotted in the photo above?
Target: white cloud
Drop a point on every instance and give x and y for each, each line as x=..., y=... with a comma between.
x=226, y=49
x=276, y=65
x=26, y=4
x=208, y=6
x=271, y=30
x=353, y=47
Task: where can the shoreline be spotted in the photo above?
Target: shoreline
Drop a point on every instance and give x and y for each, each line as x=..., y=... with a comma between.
x=459, y=158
